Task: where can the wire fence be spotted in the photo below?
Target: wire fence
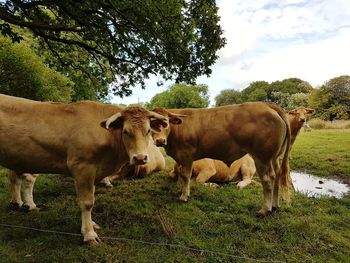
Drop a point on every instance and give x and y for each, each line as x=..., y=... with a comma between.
x=123, y=239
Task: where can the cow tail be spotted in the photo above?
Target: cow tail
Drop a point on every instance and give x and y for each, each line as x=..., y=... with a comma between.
x=286, y=180
x=283, y=175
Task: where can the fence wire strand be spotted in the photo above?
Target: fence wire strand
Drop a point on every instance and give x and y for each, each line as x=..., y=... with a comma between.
x=143, y=242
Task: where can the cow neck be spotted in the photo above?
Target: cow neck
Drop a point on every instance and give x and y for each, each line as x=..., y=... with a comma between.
x=119, y=148
x=294, y=127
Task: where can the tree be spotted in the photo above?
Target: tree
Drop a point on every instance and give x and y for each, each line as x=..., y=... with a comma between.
x=257, y=95
x=125, y=41
x=280, y=98
x=290, y=86
x=181, y=96
x=297, y=100
x=83, y=72
x=253, y=86
x=227, y=97
x=332, y=100
x=23, y=74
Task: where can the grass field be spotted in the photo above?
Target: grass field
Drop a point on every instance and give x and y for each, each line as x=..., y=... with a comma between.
x=216, y=225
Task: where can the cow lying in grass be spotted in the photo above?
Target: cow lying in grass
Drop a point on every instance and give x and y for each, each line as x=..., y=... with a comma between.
x=242, y=170
x=228, y=133
x=210, y=172
x=86, y=140
x=156, y=163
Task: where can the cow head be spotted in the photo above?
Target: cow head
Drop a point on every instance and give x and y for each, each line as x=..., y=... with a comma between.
x=297, y=119
x=301, y=113
x=136, y=124
x=160, y=137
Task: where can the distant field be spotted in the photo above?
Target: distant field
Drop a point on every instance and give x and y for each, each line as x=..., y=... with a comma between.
x=216, y=225
x=323, y=152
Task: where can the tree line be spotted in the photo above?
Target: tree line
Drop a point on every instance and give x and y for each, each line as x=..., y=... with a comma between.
x=331, y=100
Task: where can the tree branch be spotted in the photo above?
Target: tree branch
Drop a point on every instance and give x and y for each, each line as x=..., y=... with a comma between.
x=10, y=18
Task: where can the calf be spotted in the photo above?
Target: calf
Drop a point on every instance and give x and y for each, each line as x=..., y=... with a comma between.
x=87, y=140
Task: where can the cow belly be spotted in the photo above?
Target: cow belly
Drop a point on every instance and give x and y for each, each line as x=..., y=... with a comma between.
x=33, y=164
x=26, y=158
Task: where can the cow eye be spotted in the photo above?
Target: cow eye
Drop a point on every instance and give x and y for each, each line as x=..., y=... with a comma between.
x=125, y=132
x=148, y=132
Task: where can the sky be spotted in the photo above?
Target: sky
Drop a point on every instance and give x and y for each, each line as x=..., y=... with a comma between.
x=273, y=40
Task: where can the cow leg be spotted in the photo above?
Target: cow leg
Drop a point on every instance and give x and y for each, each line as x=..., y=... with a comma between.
x=27, y=191
x=204, y=176
x=244, y=183
x=85, y=188
x=275, y=200
x=185, y=175
x=15, y=188
x=106, y=182
x=247, y=175
x=213, y=185
x=267, y=175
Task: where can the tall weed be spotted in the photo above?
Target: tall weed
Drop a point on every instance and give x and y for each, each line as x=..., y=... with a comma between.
x=336, y=124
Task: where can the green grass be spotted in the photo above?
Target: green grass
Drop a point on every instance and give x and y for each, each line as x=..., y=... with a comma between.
x=221, y=220
x=323, y=152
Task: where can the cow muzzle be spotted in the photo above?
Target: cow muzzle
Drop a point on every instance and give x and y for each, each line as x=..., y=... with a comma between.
x=139, y=159
x=160, y=142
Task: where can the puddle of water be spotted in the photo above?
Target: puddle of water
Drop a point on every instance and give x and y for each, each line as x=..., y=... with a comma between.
x=314, y=186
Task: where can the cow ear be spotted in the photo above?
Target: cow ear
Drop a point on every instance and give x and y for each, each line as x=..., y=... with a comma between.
x=293, y=112
x=156, y=124
x=310, y=111
x=114, y=122
x=175, y=120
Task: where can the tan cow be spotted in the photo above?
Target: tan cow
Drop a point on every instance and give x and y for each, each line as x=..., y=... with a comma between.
x=87, y=140
x=243, y=169
x=156, y=163
x=297, y=118
x=228, y=133
x=209, y=171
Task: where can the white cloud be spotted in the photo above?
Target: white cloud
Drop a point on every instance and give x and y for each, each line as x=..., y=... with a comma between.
x=272, y=40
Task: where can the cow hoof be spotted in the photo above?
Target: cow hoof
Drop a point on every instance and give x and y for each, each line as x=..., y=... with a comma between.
x=262, y=213
x=29, y=208
x=183, y=198
x=95, y=225
x=14, y=206
x=275, y=209
x=93, y=242
x=241, y=185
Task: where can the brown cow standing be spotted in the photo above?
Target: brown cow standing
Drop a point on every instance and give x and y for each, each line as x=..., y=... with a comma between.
x=87, y=140
x=243, y=169
x=227, y=133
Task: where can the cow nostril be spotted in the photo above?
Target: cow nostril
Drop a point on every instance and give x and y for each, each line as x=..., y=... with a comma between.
x=160, y=141
x=139, y=158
